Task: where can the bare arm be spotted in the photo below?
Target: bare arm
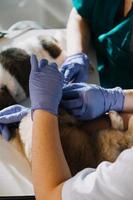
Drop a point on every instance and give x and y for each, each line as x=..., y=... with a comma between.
x=49, y=167
x=78, y=34
x=128, y=103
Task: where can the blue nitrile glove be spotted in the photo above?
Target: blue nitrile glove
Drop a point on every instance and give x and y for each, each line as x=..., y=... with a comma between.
x=76, y=68
x=88, y=101
x=9, y=115
x=4, y=131
x=45, y=85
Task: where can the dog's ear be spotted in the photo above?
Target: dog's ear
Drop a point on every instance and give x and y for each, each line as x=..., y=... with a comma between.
x=116, y=121
x=51, y=45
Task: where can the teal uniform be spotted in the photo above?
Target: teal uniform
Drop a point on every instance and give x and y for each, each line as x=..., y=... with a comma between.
x=112, y=39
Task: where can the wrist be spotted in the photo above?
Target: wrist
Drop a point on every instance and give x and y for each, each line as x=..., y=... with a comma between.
x=43, y=114
x=44, y=109
x=128, y=102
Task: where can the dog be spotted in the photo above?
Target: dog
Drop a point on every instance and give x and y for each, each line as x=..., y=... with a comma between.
x=84, y=143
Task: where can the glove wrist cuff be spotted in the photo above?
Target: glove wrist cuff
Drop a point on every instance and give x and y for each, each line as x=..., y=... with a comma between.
x=114, y=100
x=78, y=55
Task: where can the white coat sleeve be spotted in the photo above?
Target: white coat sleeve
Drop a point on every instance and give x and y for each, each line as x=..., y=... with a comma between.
x=112, y=181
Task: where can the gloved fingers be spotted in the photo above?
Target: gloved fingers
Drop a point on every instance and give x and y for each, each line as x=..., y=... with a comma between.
x=42, y=64
x=34, y=63
x=11, y=109
x=63, y=69
x=13, y=114
x=81, y=77
x=78, y=112
x=54, y=65
x=52, y=70
x=71, y=104
x=67, y=76
x=6, y=134
x=70, y=95
x=15, y=117
x=67, y=71
x=71, y=73
x=73, y=87
x=72, y=91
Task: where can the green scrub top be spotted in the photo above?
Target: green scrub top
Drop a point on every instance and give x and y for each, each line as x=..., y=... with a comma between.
x=113, y=42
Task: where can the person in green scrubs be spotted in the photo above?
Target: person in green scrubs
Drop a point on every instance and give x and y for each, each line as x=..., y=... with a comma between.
x=108, y=25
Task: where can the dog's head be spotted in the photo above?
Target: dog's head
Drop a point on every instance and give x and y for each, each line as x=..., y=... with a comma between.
x=15, y=67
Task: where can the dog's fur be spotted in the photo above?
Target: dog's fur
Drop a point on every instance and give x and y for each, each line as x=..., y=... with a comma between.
x=83, y=146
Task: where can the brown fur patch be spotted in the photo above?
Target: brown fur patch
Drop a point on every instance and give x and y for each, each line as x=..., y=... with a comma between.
x=50, y=44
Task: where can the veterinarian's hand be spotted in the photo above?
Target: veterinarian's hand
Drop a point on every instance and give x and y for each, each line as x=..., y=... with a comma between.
x=10, y=115
x=76, y=68
x=45, y=85
x=87, y=101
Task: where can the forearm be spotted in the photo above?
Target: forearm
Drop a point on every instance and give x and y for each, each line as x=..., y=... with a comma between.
x=78, y=34
x=49, y=167
x=128, y=103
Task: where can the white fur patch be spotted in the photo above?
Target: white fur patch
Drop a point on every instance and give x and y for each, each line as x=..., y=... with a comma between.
x=15, y=89
x=33, y=46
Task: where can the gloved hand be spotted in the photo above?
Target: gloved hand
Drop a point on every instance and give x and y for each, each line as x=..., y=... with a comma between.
x=45, y=85
x=9, y=115
x=88, y=101
x=76, y=68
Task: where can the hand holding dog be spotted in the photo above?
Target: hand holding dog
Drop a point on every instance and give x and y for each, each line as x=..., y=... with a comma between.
x=76, y=68
x=88, y=101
